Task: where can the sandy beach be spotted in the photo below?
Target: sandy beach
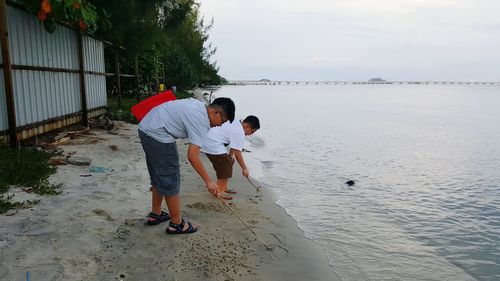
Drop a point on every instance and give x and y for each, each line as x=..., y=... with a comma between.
x=95, y=229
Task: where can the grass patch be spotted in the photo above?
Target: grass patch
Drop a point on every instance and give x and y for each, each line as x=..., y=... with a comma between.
x=121, y=111
x=45, y=188
x=3, y=187
x=27, y=168
x=7, y=204
x=184, y=94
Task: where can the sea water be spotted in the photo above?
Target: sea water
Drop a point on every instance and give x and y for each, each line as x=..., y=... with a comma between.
x=426, y=164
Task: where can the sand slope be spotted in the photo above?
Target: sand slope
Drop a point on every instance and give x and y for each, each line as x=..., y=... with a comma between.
x=95, y=229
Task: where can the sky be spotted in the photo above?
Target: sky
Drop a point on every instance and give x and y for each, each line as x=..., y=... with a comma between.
x=320, y=40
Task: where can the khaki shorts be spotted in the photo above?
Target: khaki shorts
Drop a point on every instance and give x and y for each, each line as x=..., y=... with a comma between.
x=223, y=165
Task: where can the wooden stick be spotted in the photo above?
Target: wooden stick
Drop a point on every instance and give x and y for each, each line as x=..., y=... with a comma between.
x=26, y=228
x=256, y=188
x=243, y=221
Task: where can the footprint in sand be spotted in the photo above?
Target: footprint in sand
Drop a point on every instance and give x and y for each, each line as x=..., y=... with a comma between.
x=279, y=252
x=102, y=213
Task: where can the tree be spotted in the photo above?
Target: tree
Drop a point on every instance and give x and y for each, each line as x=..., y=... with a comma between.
x=78, y=13
x=191, y=36
x=163, y=32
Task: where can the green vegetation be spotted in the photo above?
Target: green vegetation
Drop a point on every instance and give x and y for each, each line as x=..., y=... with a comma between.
x=183, y=94
x=24, y=167
x=168, y=39
x=167, y=36
x=7, y=204
x=45, y=188
x=78, y=13
x=27, y=168
x=121, y=111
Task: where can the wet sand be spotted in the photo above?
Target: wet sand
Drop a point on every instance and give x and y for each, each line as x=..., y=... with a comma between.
x=95, y=229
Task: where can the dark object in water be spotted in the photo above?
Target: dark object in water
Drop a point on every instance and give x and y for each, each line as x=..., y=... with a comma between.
x=350, y=182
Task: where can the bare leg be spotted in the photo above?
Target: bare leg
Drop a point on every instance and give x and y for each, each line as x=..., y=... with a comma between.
x=174, y=208
x=222, y=185
x=156, y=201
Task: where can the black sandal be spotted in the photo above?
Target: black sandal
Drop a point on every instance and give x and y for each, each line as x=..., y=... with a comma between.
x=179, y=228
x=154, y=219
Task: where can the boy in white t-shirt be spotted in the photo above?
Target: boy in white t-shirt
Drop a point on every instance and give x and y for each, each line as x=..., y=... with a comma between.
x=232, y=135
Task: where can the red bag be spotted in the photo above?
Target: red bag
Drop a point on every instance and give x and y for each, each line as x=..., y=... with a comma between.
x=142, y=108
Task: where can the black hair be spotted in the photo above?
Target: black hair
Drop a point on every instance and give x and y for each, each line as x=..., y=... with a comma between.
x=253, y=121
x=226, y=105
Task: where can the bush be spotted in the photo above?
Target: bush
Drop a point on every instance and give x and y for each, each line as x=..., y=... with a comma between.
x=28, y=168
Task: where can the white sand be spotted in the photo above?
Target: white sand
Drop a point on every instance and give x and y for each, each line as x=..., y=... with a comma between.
x=95, y=229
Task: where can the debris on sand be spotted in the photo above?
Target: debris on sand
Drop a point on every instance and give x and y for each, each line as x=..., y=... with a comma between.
x=79, y=160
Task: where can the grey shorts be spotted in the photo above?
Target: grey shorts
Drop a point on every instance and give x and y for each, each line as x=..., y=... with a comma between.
x=163, y=164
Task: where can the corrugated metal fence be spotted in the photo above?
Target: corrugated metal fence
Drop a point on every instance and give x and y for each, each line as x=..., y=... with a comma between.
x=46, y=76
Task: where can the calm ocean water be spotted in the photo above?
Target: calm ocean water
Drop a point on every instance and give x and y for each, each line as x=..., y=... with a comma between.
x=426, y=161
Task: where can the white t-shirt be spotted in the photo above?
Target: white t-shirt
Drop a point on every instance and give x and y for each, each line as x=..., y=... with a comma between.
x=228, y=133
x=178, y=119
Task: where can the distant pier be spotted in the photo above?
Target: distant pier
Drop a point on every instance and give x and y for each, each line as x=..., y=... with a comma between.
x=317, y=83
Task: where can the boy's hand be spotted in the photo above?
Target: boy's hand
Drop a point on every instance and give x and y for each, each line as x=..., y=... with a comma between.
x=212, y=188
x=245, y=173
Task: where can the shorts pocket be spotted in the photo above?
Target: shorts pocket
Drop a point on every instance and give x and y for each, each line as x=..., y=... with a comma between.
x=168, y=174
x=166, y=170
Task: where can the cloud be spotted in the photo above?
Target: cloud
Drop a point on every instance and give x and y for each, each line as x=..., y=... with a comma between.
x=360, y=37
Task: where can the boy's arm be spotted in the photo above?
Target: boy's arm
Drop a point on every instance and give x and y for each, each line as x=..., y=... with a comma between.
x=239, y=157
x=194, y=159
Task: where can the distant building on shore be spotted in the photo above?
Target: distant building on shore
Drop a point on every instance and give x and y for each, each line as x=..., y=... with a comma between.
x=376, y=80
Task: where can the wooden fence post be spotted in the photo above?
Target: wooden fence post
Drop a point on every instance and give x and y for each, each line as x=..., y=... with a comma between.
x=163, y=73
x=118, y=85
x=7, y=74
x=137, y=90
x=83, y=92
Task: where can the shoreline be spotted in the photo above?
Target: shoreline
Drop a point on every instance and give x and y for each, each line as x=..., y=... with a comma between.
x=95, y=229
x=310, y=249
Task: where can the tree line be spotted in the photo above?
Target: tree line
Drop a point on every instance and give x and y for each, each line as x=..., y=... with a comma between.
x=169, y=36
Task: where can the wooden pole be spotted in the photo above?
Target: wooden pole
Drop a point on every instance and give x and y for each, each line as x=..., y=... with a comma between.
x=243, y=221
x=163, y=73
x=83, y=91
x=137, y=90
x=157, y=80
x=7, y=74
x=117, y=75
x=256, y=187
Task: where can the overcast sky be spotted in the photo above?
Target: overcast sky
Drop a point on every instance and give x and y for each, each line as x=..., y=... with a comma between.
x=356, y=39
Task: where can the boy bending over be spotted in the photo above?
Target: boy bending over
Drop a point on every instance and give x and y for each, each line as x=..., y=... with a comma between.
x=178, y=119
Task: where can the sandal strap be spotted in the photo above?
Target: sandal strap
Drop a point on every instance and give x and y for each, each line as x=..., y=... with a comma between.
x=178, y=227
x=190, y=228
x=156, y=216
